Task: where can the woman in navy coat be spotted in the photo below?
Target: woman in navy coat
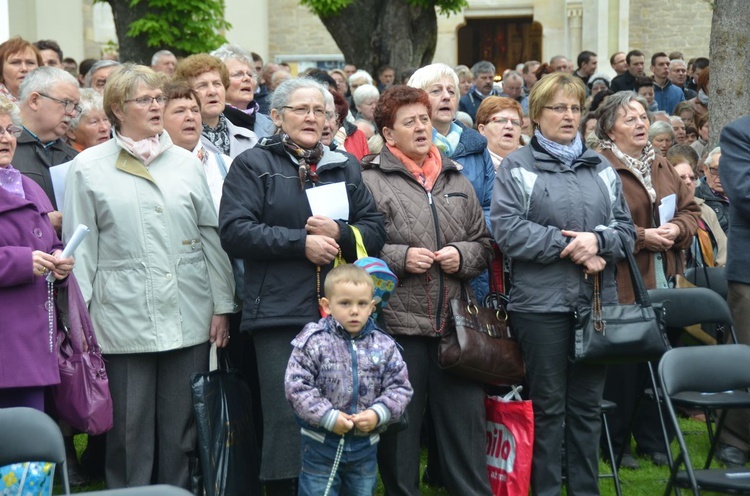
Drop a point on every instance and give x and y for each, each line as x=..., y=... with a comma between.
x=29, y=248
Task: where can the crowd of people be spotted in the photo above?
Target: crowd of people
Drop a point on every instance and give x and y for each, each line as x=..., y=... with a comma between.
x=194, y=176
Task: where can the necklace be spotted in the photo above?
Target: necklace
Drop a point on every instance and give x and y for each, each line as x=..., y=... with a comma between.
x=438, y=331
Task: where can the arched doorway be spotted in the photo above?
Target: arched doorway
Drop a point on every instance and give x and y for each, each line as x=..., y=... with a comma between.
x=504, y=41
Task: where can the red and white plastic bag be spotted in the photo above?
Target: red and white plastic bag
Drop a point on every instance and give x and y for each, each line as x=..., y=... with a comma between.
x=510, y=443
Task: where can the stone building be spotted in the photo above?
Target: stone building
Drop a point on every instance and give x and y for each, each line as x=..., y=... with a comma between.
x=505, y=31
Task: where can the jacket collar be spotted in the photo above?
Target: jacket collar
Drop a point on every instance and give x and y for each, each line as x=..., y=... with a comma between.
x=544, y=161
x=331, y=159
x=469, y=142
x=129, y=164
x=9, y=201
x=387, y=162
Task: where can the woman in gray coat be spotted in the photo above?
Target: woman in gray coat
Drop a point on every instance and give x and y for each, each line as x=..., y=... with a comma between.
x=559, y=214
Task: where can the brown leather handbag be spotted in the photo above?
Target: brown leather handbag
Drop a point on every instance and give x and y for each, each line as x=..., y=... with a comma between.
x=478, y=344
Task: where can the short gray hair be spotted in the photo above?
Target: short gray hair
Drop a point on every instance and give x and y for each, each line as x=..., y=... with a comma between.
x=281, y=96
x=710, y=157
x=99, y=64
x=675, y=62
x=364, y=93
x=360, y=75
x=232, y=51
x=606, y=114
x=161, y=53
x=482, y=67
x=42, y=80
x=431, y=74
x=91, y=100
x=660, y=127
x=675, y=118
x=9, y=108
x=513, y=75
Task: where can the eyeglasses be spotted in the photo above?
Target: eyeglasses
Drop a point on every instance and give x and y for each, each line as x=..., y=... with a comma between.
x=686, y=176
x=318, y=112
x=68, y=106
x=145, y=101
x=504, y=120
x=561, y=109
x=14, y=131
x=714, y=171
x=332, y=115
x=631, y=121
x=242, y=75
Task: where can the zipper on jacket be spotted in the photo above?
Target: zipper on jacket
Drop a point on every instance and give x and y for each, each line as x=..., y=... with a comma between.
x=453, y=195
x=438, y=316
x=355, y=376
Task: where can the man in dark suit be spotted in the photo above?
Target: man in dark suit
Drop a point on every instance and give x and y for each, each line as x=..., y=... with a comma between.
x=734, y=172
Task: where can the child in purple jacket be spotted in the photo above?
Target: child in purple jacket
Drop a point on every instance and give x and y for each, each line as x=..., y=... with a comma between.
x=346, y=381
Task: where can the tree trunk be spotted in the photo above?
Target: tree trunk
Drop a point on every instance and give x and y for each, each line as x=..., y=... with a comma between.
x=132, y=49
x=729, y=91
x=373, y=33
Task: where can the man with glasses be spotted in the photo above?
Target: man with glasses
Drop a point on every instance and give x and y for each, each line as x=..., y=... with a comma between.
x=711, y=191
x=48, y=99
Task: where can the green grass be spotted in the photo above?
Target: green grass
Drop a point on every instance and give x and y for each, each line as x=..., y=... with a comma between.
x=649, y=480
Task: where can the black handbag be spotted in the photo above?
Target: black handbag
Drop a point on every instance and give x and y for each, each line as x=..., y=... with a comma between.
x=621, y=333
x=477, y=344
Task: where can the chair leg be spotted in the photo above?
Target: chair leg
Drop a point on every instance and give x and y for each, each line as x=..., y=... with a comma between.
x=659, y=407
x=611, y=455
x=66, y=482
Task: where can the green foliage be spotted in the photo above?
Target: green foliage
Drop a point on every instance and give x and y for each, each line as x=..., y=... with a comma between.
x=187, y=26
x=328, y=8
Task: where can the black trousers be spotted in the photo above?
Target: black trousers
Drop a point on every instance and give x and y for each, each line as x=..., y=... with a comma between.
x=566, y=398
x=457, y=407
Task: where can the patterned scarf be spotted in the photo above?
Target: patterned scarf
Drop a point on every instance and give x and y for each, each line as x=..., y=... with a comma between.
x=307, y=158
x=4, y=91
x=10, y=181
x=447, y=144
x=145, y=150
x=425, y=174
x=218, y=136
x=640, y=167
x=565, y=153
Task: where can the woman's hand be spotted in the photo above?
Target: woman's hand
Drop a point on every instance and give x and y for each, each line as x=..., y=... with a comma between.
x=365, y=421
x=449, y=259
x=63, y=266
x=320, y=250
x=669, y=231
x=655, y=239
x=219, y=332
x=584, y=246
x=419, y=260
x=43, y=263
x=324, y=226
x=594, y=265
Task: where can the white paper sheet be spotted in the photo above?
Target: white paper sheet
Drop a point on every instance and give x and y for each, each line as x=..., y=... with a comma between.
x=667, y=209
x=329, y=200
x=58, y=174
x=75, y=240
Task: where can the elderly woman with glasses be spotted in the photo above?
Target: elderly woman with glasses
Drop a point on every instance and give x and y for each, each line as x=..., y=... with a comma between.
x=623, y=125
x=288, y=240
x=559, y=214
x=241, y=108
x=209, y=78
x=29, y=250
x=499, y=119
x=158, y=285
x=91, y=127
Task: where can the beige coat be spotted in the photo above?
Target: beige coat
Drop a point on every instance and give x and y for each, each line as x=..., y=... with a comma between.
x=709, y=217
x=449, y=215
x=152, y=269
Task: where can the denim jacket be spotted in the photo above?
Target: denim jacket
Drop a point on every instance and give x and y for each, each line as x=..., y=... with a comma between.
x=331, y=371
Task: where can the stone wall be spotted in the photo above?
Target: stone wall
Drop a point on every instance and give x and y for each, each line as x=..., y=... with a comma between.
x=294, y=30
x=667, y=25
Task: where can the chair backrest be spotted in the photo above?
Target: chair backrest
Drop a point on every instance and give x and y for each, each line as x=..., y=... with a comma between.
x=28, y=435
x=707, y=369
x=688, y=306
x=709, y=277
x=161, y=490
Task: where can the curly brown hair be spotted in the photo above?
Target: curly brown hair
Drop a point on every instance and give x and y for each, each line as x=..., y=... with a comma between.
x=393, y=99
x=200, y=63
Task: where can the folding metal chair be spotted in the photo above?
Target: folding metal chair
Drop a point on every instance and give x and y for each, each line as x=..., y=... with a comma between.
x=608, y=407
x=28, y=435
x=709, y=277
x=710, y=378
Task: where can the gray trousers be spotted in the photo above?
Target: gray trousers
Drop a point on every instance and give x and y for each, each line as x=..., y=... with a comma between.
x=566, y=398
x=154, y=430
x=736, y=430
x=457, y=408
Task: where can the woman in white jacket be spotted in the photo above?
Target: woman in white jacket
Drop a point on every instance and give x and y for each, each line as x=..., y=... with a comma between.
x=158, y=285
